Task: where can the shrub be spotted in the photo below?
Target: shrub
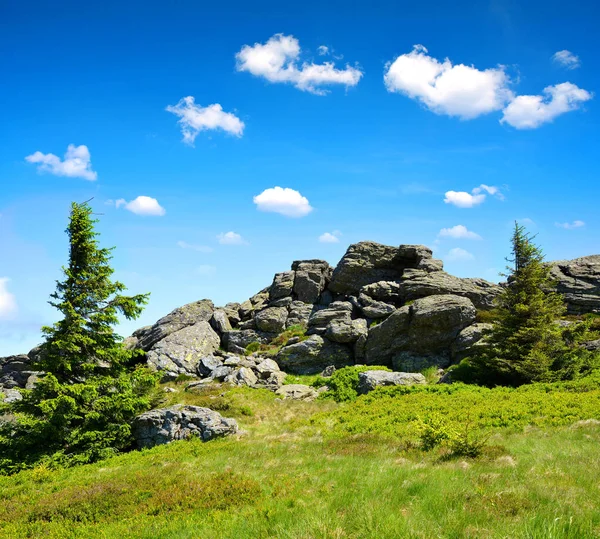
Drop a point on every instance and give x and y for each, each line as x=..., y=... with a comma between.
x=343, y=383
x=433, y=431
x=296, y=330
x=252, y=347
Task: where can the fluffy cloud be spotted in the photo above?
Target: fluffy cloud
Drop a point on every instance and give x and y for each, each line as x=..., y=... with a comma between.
x=531, y=111
x=283, y=200
x=277, y=60
x=323, y=50
x=195, y=118
x=459, y=255
x=459, y=232
x=570, y=226
x=444, y=88
x=462, y=199
x=566, y=59
x=8, y=303
x=193, y=247
x=330, y=237
x=231, y=238
x=142, y=205
x=75, y=164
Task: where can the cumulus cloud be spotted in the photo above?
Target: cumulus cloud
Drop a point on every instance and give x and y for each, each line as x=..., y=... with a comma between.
x=8, y=303
x=330, y=237
x=231, y=238
x=75, y=164
x=459, y=255
x=193, y=247
x=142, y=205
x=566, y=59
x=462, y=199
x=278, y=60
x=531, y=111
x=459, y=232
x=444, y=88
x=570, y=226
x=323, y=50
x=195, y=118
x=283, y=200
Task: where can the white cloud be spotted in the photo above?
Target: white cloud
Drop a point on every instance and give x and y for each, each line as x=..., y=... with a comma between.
x=142, y=205
x=277, y=60
x=8, y=303
x=459, y=232
x=284, y=200
x=566, y=59
x=323, y=50
x=330, y=237
x=459, y=255
x=193, y=247
x=195, y=118
x=76, y=163
x=570, y=226
x=531, y=111
x=205, y=270
x=444, y=88
x=231, y=238
x=462, y=199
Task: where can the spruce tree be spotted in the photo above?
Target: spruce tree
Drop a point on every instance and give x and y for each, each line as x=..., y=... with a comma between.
x=82, y=407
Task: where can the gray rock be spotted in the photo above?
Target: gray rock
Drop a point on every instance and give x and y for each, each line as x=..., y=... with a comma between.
x=283, y=284
x=232, y=361
x=243, y=376
x=245, y=310
x=386, y=291
x=180, y=318
x=338, y=310
x=374, y=309
x=415, y=362
x=367, y=262
x=14, y=370
x=297, y=392
x=233, y=314
x=328, y=371
x=180, y=351
x=578, y=281
x=369, y=380
x=299, y=314
x=220, y=373
x=592, y=346
x=207, y=365
x=311, y=277
x=418, y=283
x=33, y=379
x=266, y=367
x=165, y=425
x=236, y=341
x=274, y=381
x=220, y=321
x=283, y=302
x=467, y=339
x=8, y=395
x=388, y=337
x=313, y=355
x=248, y=324
x=346, y=331
x=272, y=319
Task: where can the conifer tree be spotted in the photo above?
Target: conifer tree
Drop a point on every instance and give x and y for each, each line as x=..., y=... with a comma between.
x=82, y=407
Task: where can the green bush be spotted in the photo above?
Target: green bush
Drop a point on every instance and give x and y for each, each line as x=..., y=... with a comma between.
x=252, y=347
x=296, y=330
x=343, y=383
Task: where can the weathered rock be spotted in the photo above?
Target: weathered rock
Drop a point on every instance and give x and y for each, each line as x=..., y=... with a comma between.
x=338, y=310
x=9, y=395
x=467, y=339
x=180, y=318
x=243, y=376
x=220, y=321
x=282, y=302
x=165, y=425
x=259, y=301
x=367, y=262
x=274, y=381
x=266, y=367
x=232, y=361
x=236, y=341
x=14, y=370
x=272, y=319
x=328, y=371
x=299, y=314
x=346, y=331
x=418, y=283
x=313, y=355
x=233, y=314
x=208, y=364
x=421, y=333
x=221, y=373
x=311, y=277
x=386, y=291
x=297, y=392
x=180, y=351
x=283, y=284
x=374, y=309
x=578, y=281
x=245, y=310
x=369, y=380
x=592, y=346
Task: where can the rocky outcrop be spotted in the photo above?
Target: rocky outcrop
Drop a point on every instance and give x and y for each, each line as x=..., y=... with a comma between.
x=313, y=355
x=165, y=425
x=297, y=392
x=369, y=380
x=14, y=371
x=578, y=281
x=467, y=339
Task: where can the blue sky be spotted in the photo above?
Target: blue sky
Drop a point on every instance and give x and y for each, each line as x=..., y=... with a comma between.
x=367, y=136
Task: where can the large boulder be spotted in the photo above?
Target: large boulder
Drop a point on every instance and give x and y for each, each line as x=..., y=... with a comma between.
x=467, y=339
x=271, y=319
x=367, y=262
x=369, y=380
x=179, y=422
x=181, y=351
x=578, y=281
x=235, y=341
x=180, y=318
x=421, y=334
x=297, y=392
x=311, y=278
x=336, y=311
x=346, y=331
x=313, y=355
x=299, y=313
x=14, y=370
x=220, y=321
x=419, y=284
x=283, y=284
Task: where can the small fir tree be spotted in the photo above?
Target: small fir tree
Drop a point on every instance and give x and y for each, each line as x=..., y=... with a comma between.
x=81, y=408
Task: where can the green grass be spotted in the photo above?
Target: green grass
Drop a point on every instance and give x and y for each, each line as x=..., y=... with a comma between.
x=329, y=470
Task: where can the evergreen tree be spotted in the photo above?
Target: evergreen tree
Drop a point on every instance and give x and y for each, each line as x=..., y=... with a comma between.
x=81, y=408
x=526, y=344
